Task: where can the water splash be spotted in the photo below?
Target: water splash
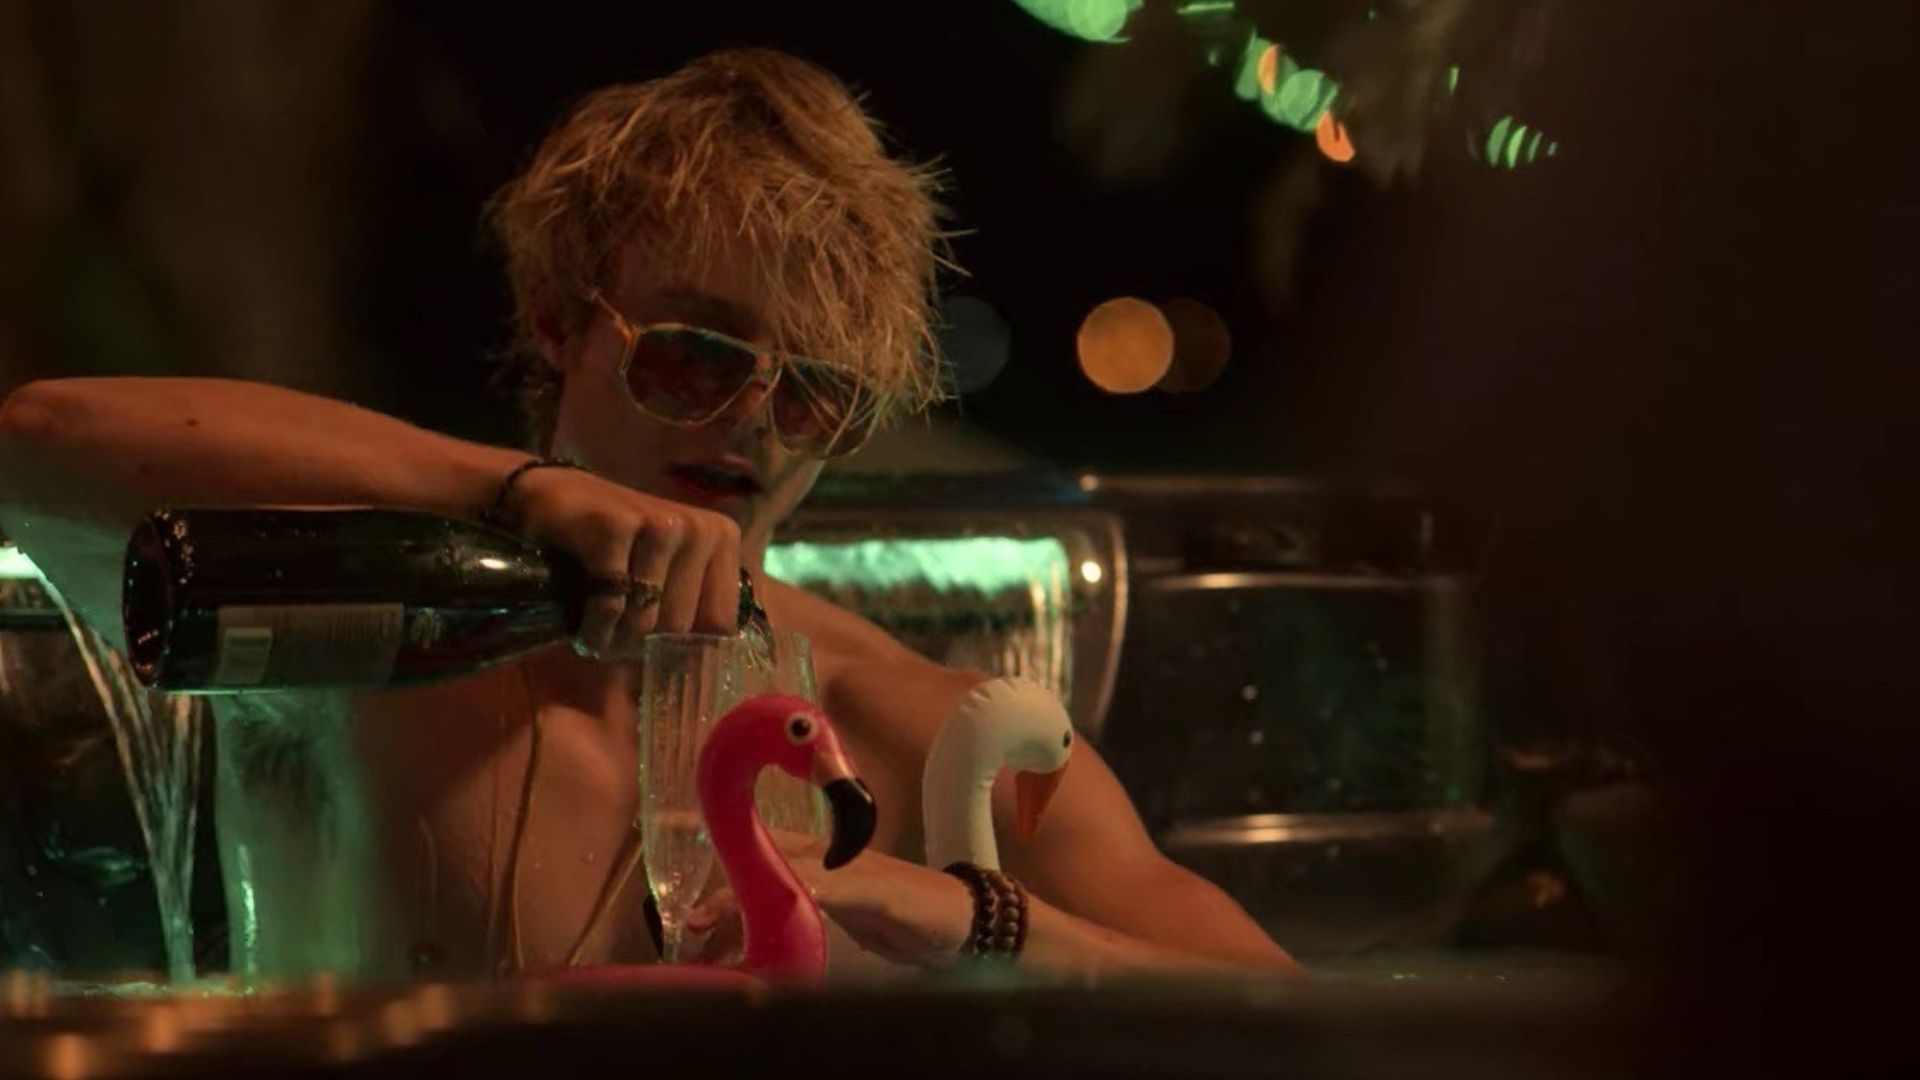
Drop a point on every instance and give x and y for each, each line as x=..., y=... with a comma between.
x=157, y=737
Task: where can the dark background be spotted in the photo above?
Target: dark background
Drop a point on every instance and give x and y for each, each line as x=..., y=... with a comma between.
x=982, y=87
x=1077, y=173
x=1674, y=362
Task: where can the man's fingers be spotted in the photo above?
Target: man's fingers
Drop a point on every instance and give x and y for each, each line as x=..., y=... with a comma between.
x=600, y=617
x=718, y=917
x=719, y=609
x=724, y=944
x=598, y=623
x=691, y=555
x=648, y=561
x=711, y=910
x=685, y=579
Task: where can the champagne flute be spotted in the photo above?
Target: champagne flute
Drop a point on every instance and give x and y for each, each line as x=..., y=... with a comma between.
x=688, y=681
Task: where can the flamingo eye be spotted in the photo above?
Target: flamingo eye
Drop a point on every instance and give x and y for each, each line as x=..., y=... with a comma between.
x=1066, y=740
x=800, y=729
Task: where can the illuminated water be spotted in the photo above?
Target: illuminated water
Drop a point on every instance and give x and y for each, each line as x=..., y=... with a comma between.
x=157, y=738
x=157, y=741
x=998, y=604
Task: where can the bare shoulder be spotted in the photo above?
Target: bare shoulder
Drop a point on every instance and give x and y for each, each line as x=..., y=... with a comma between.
x=867, y=676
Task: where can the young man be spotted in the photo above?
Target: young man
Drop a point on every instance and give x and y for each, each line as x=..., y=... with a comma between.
x=722, y=279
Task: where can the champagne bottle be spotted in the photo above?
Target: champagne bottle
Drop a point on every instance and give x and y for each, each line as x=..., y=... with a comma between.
x=222, y=601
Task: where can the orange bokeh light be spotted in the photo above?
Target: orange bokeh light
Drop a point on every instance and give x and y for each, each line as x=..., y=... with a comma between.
x=1125, y=345
x=1201, y=346
x=1269, y=68
x=1332, y=137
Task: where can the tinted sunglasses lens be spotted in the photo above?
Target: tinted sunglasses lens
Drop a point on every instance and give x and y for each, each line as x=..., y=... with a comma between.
x=821, y=412
x=685, y=375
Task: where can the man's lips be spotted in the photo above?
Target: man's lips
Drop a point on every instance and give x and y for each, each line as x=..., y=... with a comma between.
x=714, y=480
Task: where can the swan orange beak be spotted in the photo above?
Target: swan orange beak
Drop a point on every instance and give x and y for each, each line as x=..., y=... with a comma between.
x=1032, y=792
x=850, y=800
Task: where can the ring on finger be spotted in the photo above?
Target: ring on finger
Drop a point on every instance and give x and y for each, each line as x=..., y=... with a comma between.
x=642, y=594
x=639, y=592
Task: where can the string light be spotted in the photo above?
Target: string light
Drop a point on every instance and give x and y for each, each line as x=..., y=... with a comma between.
x=1510, y=144
x=1300, y=98
x=1269, y=69
x=1332, y=138
x=1088, y=20
x=1303, y=94
x=1248, y=83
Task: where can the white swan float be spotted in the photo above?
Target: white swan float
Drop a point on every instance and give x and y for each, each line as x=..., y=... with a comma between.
x=1007, y=722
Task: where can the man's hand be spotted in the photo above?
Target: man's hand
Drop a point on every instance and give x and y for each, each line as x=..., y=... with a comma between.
x=900, y=911
x=907, y=914
x=691, y=555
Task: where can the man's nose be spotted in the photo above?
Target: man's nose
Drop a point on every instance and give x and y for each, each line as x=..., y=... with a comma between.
x=753, y=399
x=751, y=403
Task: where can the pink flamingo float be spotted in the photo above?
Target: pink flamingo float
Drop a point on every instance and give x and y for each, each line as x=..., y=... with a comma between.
x=786, y=939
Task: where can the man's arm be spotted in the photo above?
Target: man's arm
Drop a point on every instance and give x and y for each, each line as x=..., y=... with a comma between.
x=1111, y=899
x=82, y=459
x=1093, y=859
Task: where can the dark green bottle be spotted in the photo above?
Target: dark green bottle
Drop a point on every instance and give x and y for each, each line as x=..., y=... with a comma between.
x=223, y=601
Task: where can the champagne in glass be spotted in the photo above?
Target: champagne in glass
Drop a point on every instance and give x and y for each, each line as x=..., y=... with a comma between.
x=687, y=682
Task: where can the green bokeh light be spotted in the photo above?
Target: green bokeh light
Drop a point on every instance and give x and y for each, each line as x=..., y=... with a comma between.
x=1515, y=141
x=1510, y=144
x=1300, y=96
x=985, y=564
x=1496, y=138
x=1089, y=20
x=1246, y=85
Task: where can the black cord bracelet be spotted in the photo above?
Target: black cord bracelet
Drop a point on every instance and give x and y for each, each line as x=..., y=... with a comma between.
x=496, y=514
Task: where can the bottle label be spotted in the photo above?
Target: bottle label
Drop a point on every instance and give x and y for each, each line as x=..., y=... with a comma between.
x=307, y=644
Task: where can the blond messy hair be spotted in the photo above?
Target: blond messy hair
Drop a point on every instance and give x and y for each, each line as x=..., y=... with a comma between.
x=746, y=145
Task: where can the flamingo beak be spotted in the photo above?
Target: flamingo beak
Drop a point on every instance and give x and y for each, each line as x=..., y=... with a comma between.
x=850, y=800
x=1032, y=791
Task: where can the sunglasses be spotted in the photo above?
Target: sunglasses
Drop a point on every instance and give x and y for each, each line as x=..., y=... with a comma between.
x=689, y=375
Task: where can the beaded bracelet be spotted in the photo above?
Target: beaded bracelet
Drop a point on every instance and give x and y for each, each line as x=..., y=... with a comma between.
x=999, y=928
x=496, y=515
